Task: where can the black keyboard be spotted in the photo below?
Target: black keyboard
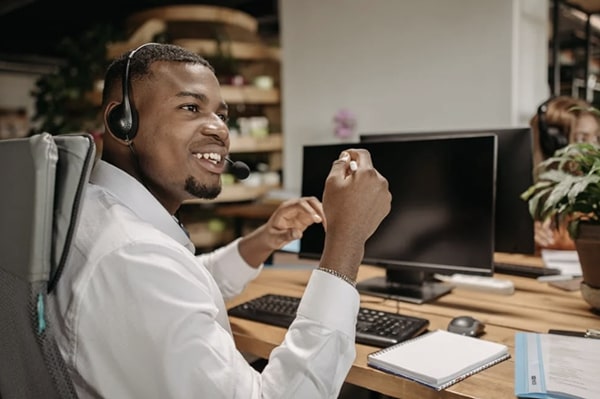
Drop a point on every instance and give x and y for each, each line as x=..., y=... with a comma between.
x=374, y=327
x=524, y=271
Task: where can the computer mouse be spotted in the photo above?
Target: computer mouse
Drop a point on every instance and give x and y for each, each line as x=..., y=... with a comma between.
x=466, y=325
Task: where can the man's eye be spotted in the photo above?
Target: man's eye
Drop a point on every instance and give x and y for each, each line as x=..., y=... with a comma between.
x=223, y=117
x=190, y=107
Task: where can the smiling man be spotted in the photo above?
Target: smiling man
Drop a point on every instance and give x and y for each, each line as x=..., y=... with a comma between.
x=140, y=315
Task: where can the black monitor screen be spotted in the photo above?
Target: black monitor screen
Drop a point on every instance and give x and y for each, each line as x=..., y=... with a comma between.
x=513, y=224
x=442, y=214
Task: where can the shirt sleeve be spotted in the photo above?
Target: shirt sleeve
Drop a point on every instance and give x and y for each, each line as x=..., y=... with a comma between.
x=319, y=347
x=229, y=269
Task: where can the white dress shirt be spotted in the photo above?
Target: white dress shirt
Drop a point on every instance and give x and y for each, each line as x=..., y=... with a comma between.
x=140, y=316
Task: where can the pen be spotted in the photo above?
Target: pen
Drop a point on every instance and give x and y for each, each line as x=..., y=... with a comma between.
x=353, y=166
x=589, y=333
x=567, y=333
x=592, y=333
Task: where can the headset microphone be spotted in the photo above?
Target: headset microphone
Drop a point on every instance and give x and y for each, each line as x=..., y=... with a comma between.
x=239, y=169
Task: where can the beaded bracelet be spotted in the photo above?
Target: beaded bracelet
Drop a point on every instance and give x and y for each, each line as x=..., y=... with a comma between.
x=338, y=275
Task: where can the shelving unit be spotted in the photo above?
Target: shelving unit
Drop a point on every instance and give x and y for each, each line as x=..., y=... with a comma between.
x=228, y=39
x=574, y=49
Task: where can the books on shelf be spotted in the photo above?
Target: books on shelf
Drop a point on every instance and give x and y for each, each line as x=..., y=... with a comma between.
x=438, y=358
x=556, y=366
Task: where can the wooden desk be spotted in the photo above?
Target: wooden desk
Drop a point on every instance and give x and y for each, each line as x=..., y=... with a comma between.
x=534, y=306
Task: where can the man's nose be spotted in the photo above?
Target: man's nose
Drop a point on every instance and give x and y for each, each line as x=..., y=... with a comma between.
x=216, y=127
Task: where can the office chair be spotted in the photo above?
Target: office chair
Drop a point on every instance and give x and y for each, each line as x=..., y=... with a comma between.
x=42, y=179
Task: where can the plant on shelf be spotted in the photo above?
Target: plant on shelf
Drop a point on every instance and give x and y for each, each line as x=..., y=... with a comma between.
x=224, y=63
x=567, y=189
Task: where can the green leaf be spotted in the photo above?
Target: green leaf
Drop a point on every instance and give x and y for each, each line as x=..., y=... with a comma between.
x=536, y=204
x=534, y=189
x=559, y=193
x=579, y=186
x=555, y=176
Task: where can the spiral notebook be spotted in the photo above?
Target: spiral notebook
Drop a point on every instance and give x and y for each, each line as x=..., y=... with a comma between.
x=439, y=358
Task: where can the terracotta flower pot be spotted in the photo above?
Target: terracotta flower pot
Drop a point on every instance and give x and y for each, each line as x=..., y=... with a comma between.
x=588, y=249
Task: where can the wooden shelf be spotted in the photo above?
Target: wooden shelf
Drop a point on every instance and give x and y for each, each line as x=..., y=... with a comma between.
x=196, y=13
x=238, y=50
x=249, y=95
x=242, y=144
x=144, y=34
x=231, y=95
x=202, y=236
x=255, y=210
x=205, y=47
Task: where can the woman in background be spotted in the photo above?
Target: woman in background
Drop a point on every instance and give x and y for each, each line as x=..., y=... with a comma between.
x=558, y=122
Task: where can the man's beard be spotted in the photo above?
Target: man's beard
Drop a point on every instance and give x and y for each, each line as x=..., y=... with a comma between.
x=198, y=190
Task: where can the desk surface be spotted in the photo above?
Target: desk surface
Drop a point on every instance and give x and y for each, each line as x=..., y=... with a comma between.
x=534, y=307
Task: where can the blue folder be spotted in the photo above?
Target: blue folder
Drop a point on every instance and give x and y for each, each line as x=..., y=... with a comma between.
x=536, y=354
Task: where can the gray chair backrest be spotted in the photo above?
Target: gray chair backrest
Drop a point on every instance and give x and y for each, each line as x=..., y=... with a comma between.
x=43, y=179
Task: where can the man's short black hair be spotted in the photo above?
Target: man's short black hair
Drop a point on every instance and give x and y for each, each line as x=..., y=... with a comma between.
x=139, y=64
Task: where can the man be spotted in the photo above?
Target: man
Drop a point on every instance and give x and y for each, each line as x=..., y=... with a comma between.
x=140, y=316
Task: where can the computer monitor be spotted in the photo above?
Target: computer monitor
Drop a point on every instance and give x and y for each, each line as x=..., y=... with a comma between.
x=513, y=224
x=441, y=218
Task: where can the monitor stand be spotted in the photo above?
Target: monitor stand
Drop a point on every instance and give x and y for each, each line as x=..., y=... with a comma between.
x=405, y=286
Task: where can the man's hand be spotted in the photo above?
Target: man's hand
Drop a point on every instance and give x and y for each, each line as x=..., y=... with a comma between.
x=286, y=224
x=291, y=218
x=355, y=201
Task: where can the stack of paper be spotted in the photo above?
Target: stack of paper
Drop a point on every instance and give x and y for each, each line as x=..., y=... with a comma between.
x=565, y=261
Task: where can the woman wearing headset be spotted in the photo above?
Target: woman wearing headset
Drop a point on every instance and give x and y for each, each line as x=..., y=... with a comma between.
x=560, y=121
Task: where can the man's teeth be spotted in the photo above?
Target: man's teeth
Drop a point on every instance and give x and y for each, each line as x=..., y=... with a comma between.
x=210, y=156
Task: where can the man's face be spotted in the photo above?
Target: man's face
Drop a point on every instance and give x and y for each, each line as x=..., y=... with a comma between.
x=182, y=138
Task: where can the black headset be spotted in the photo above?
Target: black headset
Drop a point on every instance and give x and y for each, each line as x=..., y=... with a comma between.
x=551, y=137
x=122, y=120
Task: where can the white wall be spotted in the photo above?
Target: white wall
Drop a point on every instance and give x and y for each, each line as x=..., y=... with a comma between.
x=406, y=65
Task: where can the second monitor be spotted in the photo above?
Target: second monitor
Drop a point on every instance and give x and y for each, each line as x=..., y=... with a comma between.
x=513, y=223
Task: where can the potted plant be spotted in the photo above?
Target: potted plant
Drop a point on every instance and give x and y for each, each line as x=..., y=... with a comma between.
x=567, y=189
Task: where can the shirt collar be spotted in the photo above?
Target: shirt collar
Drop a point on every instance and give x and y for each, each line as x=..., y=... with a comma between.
x=136, y=197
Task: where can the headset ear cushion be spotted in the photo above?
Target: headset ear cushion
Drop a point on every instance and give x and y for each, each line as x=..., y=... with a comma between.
x=552, y=139
x=122, y=122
